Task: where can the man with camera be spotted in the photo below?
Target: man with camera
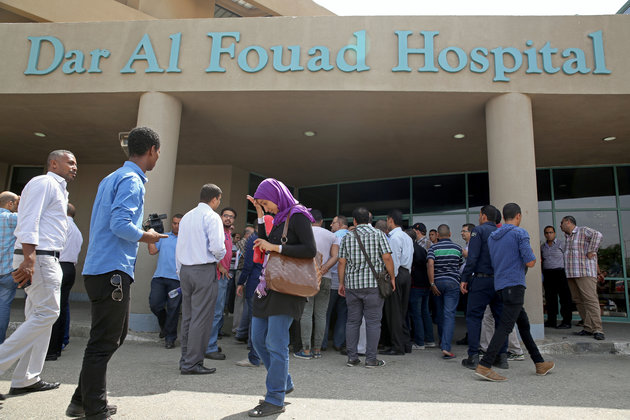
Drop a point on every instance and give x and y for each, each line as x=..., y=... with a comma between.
x=115, y=230
x=165, y=280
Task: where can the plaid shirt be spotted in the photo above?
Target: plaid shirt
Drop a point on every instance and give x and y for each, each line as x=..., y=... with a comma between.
x=358, y=274
x=579, y=243
x=8, y=222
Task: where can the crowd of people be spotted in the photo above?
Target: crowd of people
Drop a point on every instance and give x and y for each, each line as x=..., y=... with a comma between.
x=205, y=269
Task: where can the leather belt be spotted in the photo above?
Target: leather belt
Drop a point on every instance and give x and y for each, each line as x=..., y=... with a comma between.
x=484, y=275
x=39, y=252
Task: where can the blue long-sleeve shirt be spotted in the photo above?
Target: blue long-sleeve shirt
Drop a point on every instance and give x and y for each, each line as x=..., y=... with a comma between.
x=510, y=250
x=250, y=275
x=116, y=223
x=478, y=260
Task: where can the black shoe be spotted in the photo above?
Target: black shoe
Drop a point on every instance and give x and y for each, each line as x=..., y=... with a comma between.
x=265, y=409
x=408, y=349
x=162, y=333
x=374, y=363
x=583, y=333
x=501, y=361
x=215, y=355
x=463, y=341
x=75, y=410
x=599, y=336
x=241, y=340
x=36, y=387
x=50, y=357
x=169, y=344
x=471, y=362
x=198, y=369
x=391, y=352
x=563, y=326
x=343, y=351
x=550, y=324
x=353, y=363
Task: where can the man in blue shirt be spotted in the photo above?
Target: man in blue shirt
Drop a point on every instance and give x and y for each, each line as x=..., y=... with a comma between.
x=395, y=308
x=478, y=282
x=8, y=221
x=115, y=230
x=511, y=255
x=165, y=280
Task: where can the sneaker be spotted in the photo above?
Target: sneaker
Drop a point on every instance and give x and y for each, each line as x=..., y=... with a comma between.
x=543, y=368
x=246, y=363
x=317, y=354
x=489, y=374
x=353, y=363
x=430, y=344
x=302, y=355
x=471, y=362
x=513, y=357
x=501, y=361
x=374, y=363
x=415, y=346
x=599, y=336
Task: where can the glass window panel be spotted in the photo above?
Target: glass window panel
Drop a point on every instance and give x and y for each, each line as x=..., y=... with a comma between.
x=323, y=198
x=623, y=179
x=543, y=183
x=584, y=188
x=254, y=181
x=20, y=175
x=454, y=222
x=545, y=218
x=433, y=194
x=609, y=255
x=612, y=298
x=379, y=197
x=478, y=191
x=625, y=225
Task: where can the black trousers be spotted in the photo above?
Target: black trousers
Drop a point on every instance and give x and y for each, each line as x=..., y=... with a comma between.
x=59, y=327
x=556, y=285
x=110, y=321
x=395, y=312
x=513, y=313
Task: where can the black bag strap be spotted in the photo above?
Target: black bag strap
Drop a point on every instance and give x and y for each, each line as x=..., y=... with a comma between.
x=367, y=257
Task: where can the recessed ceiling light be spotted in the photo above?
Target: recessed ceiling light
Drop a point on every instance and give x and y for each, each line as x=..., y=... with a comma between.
x=437, y=185
x=39, y=134
x=459, y=136
x=309, y=133
x=609, y=138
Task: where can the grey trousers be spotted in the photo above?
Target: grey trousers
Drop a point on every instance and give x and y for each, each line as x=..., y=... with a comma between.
x=361, y=303
x=199, y=295
x=315, y=314
x=238, y=303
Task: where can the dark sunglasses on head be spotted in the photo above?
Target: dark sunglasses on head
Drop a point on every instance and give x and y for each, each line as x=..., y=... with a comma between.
x=117, y=293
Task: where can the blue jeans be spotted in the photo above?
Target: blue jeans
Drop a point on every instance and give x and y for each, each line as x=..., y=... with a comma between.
x=218, y=315
x=446, y=305
x=245, y=327
x=422, y=323
x=7, y=293
x=336, y=303
x=270, y=337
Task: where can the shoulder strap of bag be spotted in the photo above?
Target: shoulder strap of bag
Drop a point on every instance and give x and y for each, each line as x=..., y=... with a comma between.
x=285, y=231
x=367, y=257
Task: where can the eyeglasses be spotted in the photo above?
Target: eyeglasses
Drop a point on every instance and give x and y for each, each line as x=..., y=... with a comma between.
x=229, y=216
x=117, y=293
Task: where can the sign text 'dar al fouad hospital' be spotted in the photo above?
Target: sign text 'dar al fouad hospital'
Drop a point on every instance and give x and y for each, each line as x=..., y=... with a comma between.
x=227, y=52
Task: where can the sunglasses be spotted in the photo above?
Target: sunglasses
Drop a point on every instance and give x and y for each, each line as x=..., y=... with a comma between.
x=117, y=293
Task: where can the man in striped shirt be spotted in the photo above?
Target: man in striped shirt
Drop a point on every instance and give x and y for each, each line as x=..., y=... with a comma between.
x=358, y=285
x=443, y=262
x=580, y=264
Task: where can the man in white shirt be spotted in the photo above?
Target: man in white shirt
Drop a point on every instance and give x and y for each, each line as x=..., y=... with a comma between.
x=314, y=315
x=67, y=260
x=200, y=246
x=41, y=234
x=395, y=308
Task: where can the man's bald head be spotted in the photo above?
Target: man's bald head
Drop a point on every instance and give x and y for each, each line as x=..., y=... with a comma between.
x=9, y=200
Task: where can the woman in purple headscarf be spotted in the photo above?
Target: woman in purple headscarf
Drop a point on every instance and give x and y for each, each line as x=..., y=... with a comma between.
x=273, y=312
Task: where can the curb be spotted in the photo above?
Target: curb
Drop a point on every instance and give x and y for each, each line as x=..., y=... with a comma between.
x=82, y=330
x=619, y=348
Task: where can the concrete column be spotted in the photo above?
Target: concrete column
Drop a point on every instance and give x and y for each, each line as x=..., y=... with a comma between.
x=162, y=113
x=512, y=174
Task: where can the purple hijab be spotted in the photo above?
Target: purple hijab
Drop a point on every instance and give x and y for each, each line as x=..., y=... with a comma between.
x=276, y=192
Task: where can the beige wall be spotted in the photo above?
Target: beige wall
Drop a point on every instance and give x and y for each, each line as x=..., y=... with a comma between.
x=122, y=38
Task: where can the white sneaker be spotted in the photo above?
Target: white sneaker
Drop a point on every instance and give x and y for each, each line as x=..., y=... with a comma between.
x=414, y=346
x=430, y=345
x=246, y=363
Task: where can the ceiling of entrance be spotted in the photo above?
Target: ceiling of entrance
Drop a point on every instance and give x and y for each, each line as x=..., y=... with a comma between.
x=359, y=135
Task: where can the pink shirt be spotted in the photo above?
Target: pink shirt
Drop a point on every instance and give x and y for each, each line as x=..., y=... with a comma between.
x=225, y=262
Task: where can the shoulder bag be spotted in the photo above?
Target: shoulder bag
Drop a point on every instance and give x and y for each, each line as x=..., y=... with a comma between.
x=383, y=280
x=293, y=276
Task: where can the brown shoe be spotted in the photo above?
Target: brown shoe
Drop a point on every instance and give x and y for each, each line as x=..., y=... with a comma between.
x=543, y=368
x=489, y=374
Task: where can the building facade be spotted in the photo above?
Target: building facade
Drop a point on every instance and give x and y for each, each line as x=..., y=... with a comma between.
x=433, y=115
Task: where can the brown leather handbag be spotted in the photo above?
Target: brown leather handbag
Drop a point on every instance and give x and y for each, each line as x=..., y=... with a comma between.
x=293, y=276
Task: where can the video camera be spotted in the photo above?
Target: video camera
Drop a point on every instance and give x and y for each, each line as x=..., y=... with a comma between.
x=154, y=222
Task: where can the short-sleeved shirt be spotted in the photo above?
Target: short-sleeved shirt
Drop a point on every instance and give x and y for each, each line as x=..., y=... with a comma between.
x=358, y=274
x=167, y=264
x=324, y=240
x=447, y=257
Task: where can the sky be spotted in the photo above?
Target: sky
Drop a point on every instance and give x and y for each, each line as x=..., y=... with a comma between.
x=469, y=7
